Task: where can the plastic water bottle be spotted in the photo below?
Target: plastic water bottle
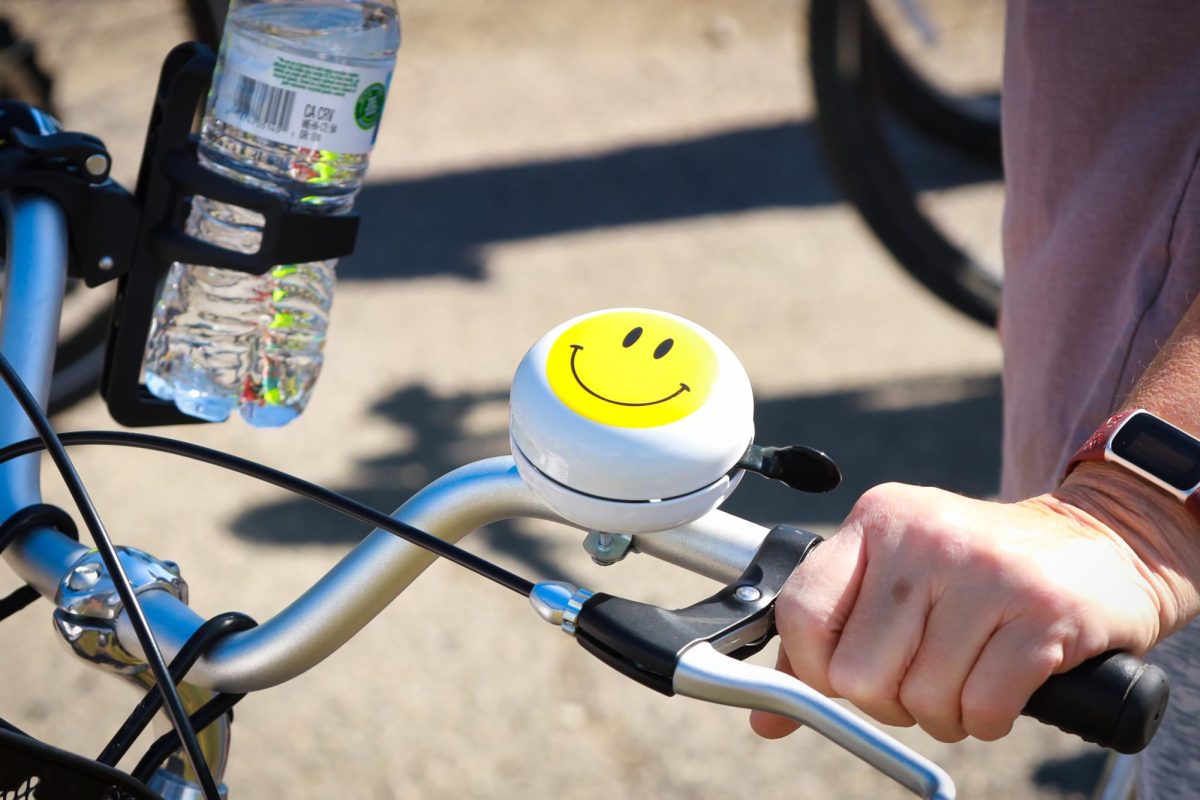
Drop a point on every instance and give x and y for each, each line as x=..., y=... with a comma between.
x=294, y=109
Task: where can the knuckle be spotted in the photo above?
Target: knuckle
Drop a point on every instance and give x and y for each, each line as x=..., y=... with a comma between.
x=849, y=679
x=926, y=701
x=877, y=500
x=986, y=715
x=946, y=735
x=1064, y=608
x=983, y=706
x=934, y=705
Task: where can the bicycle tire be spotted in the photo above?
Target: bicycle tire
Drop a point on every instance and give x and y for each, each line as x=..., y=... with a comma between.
x=21, y=77
x=855, y=71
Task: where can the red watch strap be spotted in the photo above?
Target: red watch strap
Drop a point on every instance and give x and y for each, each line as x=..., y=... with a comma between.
x=1096, y=445
x=1093, y=449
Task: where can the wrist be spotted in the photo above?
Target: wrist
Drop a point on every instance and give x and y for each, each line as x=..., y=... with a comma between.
x=1162, y=534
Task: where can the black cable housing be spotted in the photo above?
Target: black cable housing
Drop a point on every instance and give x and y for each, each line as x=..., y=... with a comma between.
x=168, y=743
x=108, y=554
x=193, y=648
x=222, y=625
x=252, y=469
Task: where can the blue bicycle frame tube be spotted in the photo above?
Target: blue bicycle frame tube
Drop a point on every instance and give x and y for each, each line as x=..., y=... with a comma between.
x=35, y=272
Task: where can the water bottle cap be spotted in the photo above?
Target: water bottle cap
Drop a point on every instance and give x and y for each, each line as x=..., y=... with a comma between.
x=630, y=420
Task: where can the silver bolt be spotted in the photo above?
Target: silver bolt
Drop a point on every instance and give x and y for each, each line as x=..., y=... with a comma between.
x=83, y=577
x=747, y=594
x=607, y=548
x=96, y=165
x=106, y=263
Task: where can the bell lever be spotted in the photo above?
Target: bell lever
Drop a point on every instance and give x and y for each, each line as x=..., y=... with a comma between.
x=803, y=468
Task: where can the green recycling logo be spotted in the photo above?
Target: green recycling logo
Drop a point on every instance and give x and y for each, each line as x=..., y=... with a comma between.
x=369, y=107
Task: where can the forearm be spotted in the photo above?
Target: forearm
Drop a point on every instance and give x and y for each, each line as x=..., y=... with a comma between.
x=1163, y=533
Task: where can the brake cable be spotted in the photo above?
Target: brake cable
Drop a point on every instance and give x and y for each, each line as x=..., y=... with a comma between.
x=326, y=497
x=55, y=444
x=108, y=553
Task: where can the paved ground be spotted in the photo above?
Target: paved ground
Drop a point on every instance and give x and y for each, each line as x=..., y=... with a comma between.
x=540, y=159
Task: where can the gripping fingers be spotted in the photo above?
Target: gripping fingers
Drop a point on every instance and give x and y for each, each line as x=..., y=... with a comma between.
x=810, y=613
x=959, y=626
x=815, y=604
x=999, y=685
x=879, y=642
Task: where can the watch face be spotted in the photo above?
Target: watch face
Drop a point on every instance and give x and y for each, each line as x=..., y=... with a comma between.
x=1160, y=449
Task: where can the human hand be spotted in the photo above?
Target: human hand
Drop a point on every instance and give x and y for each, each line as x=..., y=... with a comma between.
x=931, y=608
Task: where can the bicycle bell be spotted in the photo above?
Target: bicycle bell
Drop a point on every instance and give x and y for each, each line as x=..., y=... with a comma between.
x=630, y=420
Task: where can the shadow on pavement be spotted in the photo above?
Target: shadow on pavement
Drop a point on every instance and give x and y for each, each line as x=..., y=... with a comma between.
x=437, y=224
x=1073, y=776
x=939, y=431
x=936, y=431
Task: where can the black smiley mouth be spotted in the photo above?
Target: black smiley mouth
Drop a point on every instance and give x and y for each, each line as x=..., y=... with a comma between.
x=575, y=348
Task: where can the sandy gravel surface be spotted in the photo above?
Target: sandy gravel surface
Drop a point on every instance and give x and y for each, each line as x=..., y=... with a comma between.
x=539, y=159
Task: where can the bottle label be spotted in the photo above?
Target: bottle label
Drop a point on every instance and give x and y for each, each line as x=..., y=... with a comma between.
x=299, y=101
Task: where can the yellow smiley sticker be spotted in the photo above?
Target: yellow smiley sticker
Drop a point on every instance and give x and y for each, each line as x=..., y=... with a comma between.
x=632, y=369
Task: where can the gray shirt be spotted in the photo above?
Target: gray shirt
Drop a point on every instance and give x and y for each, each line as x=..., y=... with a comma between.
x=1102, y=255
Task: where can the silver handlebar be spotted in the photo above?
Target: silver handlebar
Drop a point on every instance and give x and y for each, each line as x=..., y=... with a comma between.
x=376, y=571
x=380, y=567
x=356, y=589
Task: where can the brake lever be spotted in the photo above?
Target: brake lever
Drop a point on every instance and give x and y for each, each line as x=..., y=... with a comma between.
x=697, y=651
x=704, y=673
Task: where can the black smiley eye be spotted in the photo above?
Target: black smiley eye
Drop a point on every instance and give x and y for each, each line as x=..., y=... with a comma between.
x=632, y=337
x=663, y=348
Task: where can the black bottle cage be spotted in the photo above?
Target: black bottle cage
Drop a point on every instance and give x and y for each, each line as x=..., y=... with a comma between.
x=169, y=177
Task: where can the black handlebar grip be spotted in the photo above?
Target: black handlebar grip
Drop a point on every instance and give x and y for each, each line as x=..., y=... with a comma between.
x=1114, y=700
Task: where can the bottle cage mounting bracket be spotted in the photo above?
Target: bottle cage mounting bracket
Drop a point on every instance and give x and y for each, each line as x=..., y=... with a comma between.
x=72, y=169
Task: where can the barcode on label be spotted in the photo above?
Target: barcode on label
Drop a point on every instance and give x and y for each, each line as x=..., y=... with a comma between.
x=267, y=106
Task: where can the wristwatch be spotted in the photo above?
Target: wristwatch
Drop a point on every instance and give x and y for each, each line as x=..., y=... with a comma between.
x=1151, y=448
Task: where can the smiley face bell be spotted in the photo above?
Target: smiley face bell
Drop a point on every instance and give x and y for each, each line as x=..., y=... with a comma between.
x=630, y=420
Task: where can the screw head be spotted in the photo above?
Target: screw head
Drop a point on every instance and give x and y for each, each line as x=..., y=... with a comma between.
x=83, y=577
x=747, y=594
x=106, y=263
x=96, y=165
